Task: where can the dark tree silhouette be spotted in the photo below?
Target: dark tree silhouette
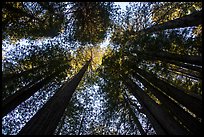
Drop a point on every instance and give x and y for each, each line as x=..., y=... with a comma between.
x=51, y=113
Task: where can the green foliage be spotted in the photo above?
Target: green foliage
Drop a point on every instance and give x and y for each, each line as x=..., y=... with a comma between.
x=31, y=19
x=120, y=59
x=23, y=58
x=165, y=11
x=99, y=105
x=91, y=21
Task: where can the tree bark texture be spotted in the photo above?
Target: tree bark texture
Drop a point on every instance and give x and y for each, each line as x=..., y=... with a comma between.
x=193, y=19
x=8, y=77
x=187, y=120
x=164, y=120
x=191, y=103
x=17, y=98
x=135, y=119
x=170, y=58
x=45, y=121
x=196, y=60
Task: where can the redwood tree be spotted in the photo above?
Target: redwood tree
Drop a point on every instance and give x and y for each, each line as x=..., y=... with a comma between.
x=51, y=113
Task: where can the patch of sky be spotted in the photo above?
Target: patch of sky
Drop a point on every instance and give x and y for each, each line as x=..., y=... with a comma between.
x=14, y=121
x=122, y=5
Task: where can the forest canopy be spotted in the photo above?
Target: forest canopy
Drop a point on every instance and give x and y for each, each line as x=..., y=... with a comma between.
x=95, y=68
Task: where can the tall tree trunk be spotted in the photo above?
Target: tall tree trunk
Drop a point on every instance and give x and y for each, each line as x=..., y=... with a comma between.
x=191, y=103
x=187, y=120
x=170, y=59
x=34, y=81
x=196, y=60
x=45, y=121
x=17, y=98
x=188, y=75
x=135, y=119
x=190, y=93
x=82, y=121
x=165, y=120
x=180, y=64
x=61, y=124
x=193, y=19
x=155, y=123
x=8, y=77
